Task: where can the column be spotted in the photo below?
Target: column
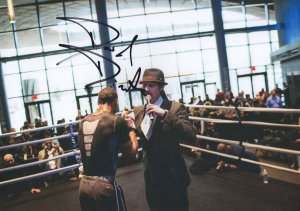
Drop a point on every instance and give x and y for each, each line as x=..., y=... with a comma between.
x=216, y=6
x=104, y=36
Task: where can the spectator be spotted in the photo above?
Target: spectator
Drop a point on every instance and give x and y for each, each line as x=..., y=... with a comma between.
x=231, y=164
x=13, y=190
x=273, y=101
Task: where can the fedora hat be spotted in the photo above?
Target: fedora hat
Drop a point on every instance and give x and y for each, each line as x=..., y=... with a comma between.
x=153, y=75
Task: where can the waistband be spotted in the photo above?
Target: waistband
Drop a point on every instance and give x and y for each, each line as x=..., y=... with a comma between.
x=103, y=178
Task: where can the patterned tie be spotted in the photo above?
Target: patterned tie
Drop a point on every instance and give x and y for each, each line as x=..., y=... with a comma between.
x=147, y=125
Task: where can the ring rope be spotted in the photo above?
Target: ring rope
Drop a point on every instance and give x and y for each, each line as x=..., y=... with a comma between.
x=275, y=149
x=35, y=141
x=243, y=122
x=243, y=159
x=33, y=176
x=37, y=129
x=63, y=169
x=69, y=154
x=248, y=109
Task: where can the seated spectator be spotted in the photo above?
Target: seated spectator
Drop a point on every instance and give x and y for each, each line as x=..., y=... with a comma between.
x=13, y=190
x=230, y=164
x=293, y=137
x=51, y=149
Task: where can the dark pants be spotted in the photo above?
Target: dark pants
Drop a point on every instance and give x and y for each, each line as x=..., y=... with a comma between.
x=166, y=196
x=99, y=194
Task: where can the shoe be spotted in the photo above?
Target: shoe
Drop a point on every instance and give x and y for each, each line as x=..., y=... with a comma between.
x=35, y=190
x=73, y=179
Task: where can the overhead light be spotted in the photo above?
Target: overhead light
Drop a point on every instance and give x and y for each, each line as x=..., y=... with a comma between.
x=11, y=11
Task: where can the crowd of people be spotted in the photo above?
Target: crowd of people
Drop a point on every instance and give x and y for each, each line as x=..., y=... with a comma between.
x=35, y=152
x=268, y=135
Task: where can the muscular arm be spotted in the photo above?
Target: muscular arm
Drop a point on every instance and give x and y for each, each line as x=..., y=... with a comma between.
x=129, y=149
x=129, y=144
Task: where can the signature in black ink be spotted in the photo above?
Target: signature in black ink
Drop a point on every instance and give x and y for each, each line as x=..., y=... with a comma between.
x=84, y=51
x=133, y=83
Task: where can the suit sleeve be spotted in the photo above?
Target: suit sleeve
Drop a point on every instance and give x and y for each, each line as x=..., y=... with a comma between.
x=179, y=120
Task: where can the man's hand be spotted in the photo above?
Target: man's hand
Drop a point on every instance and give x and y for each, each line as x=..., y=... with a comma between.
x=129, y=118
x=154, y=109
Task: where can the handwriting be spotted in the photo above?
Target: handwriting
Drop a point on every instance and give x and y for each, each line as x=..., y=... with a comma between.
x=133, y=83
x=83, y=51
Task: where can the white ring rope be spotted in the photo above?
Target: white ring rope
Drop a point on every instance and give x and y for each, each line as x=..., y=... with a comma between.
x=274, y=149
x=69, y=154
x=247, y=109
x=36, y=141
x=39, y=128
x=242, y=159
x=76, y=152
x=243, y=122
x=33, y=176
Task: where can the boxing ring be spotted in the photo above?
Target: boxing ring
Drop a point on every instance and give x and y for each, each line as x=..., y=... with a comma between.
x=233, y=190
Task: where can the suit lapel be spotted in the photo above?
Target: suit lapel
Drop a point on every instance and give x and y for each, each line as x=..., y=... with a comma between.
x=166, y=104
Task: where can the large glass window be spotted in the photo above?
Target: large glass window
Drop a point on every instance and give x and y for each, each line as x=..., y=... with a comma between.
x=55, y=81
x=190, y=62
x=64, y=105
x=183, y=25
x=210, y=60
x=238, y=56
x=255, y=15
x=129, y=8
x=53, y=36
x=16, y=112
x=5, y=25
x=260, y=54
x=85, y=74
x=167, y=39
x=236, y=39
x=32, y=64
x=49, y=13
x=131, y=26
x=28, y=14
x=34, y=83
x=162, y=47
x=10, y=67
x=13, y=85
x=233, y=17
x=8, y=47
x=205, y=20
x=167, y=63
x=159, y=25
x=29, y=42
x=157, y=6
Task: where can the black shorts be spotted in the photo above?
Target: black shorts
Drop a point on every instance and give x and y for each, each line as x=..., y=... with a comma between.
x=100, y=193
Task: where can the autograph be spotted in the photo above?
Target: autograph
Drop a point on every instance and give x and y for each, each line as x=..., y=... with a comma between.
x=83, y=51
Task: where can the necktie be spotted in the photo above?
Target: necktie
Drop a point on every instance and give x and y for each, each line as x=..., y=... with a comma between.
x=147, y=125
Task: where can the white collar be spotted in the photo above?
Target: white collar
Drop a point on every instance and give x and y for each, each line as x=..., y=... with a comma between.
x=159, y=101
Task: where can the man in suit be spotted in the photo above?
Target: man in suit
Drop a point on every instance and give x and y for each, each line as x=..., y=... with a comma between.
x=166, y=175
